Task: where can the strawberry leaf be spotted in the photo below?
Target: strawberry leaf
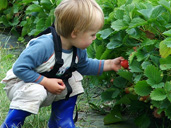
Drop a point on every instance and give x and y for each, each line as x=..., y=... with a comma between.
x=153, y=74
x=142, y=88
x=164, y=50
x=113, y=117
x=105, y=33
x=158, y=94
x=165, y=63
x=135, y=67
x=119, y=25
x=125, y=74
x=110, y=94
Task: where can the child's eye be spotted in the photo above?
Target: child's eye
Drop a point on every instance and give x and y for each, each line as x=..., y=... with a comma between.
x=93, y=35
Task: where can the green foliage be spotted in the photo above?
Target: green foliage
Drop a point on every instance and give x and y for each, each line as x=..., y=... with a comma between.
x=28, y=17
x=139, y=31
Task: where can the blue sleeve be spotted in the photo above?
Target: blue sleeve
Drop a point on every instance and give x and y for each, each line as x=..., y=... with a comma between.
x=88, y=66
x=38, y=51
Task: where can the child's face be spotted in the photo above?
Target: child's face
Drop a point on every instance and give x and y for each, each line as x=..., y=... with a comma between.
x=84, y=39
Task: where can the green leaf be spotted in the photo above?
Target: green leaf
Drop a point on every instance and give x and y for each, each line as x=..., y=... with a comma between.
x=119, y=25
x=113, y=117
x=146, y=13
x=105, y=33
x=27, y=1
x=120, y=82
x=99, y=51
x=105, y=54
x=157, y=11
x=140, y=55
x=164, y=50
x=165, y=63
x=135, y=67
x=3, y=4
x=143, y=121
x=137, y=78
x=137, y=22
x=114, y=44
x=142, y=88
x=158, y=94
x=168, y=112
x=148, y=42
x=34, y=8
x=118, y=13
x=167, y=33
x=145, y=64
x=167, y=87
x=165, y=4
x=125, y=74
x=153, y=74
x=110, y=94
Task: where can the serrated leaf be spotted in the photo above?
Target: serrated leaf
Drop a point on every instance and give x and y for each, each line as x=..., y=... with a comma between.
x=140, y=55
x=119, y=25
x=168, y=112
x=137, y=22
x=142, y=88
x=120, y=82
x=137, y=78
x=155, y=85
x=125, y=74
x=157, y=11
x=164, y=50
x=158, y=94
x=167, y=33
x=165, y=4
x=118, y=13
x=167, y=86
x=105, y=33
x=145, y=64
x=168, y=96
x=153, y=74
x=148, y=42
x=146, y=13
x=165, y=63
x=143, y=121
x=110, y=94
x=113, y=117
x=34, y=8
x=135, y=67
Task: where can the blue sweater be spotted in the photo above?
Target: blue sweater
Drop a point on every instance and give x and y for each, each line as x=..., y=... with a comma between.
x=39, y=56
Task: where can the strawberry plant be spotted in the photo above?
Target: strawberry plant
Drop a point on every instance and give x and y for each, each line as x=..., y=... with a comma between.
x=27, y=17
x=140, y=31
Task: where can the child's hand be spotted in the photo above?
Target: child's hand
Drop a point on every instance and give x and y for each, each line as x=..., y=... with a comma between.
x=53, y=85
x=114, y=64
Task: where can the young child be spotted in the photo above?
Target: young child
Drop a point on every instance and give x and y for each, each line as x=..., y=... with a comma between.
x=76, y=23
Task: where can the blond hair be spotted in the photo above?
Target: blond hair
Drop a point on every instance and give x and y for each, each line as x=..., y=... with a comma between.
x=77, y=15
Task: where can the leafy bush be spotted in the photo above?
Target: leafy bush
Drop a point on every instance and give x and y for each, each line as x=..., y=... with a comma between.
x=27, y=17
x=140, y=32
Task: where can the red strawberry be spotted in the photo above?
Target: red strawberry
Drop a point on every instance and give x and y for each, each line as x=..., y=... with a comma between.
x=124, y=64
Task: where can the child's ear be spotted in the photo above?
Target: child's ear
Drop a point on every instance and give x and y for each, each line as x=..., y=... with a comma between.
x=74, y=34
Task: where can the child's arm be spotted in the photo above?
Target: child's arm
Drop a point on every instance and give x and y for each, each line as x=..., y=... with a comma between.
x=113, y=64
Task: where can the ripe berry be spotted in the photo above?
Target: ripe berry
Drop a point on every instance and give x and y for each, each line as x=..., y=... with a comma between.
x=127, y=90
x=124, y=64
